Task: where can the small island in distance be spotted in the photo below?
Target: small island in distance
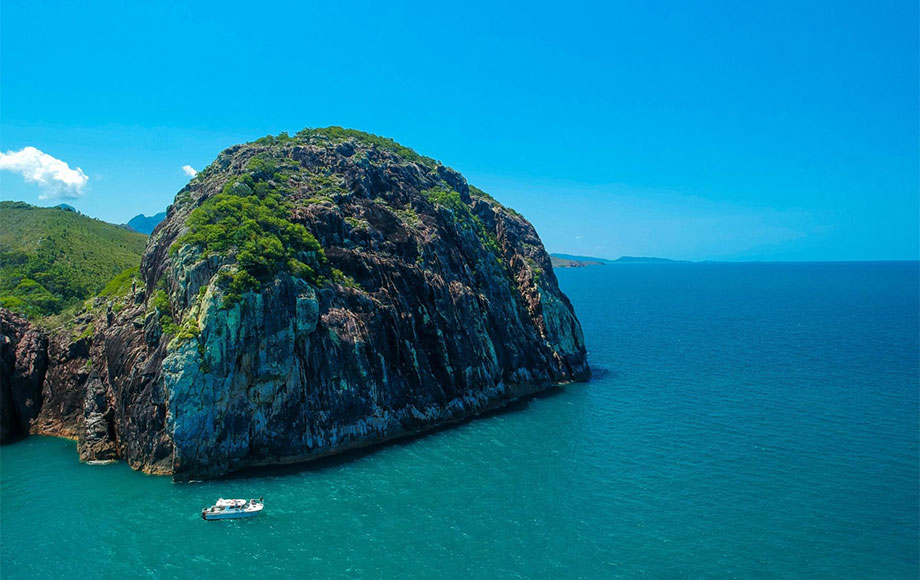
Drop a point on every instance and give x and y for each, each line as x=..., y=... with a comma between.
x=572, y=261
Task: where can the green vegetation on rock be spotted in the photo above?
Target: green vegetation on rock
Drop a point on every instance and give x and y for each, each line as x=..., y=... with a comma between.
x=338, y=277
x=52, y=259
x=325, y=187
x=121, y=284
x=251, y=220
x=450, y=199
x=336, y=134
x=189, y=329
x=163, y=310
x=87, y=332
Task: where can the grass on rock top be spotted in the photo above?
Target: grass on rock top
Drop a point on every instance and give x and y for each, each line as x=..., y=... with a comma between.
x=336, y=134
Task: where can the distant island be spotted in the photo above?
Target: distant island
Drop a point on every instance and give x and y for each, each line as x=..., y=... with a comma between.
x=568, y=261
x=572, y=261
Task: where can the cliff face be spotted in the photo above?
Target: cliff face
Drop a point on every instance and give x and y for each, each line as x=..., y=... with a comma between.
x=23, y=364
x=312, y=294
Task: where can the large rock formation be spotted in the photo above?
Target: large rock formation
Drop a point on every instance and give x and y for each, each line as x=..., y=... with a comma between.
x=308, y=295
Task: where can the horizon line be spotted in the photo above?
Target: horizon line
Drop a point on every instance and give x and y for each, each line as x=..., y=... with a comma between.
x=663, y=260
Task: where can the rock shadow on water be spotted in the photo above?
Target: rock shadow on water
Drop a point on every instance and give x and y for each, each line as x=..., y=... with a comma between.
x=599, y=373
x=352, y=455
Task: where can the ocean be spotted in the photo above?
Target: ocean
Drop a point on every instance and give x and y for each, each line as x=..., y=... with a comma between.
x=754, y=420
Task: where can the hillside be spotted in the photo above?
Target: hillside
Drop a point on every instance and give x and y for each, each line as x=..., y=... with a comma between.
x=52, y=258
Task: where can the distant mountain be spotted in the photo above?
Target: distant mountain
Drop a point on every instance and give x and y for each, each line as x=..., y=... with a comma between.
x=52, y=259
x=66, y=207
x=145, y=225
x=646, y=260
x=573, y=261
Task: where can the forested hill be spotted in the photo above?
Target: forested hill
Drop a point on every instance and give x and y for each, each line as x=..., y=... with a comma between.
x=51, y=259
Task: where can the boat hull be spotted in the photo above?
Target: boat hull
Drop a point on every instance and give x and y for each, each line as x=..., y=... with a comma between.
x=229, y=516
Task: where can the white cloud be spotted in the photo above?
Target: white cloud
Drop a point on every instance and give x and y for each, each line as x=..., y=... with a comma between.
x=189, y=170
x=54, y=177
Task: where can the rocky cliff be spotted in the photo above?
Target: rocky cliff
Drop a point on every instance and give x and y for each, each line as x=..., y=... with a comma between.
x=306, y=295
x=23, y=364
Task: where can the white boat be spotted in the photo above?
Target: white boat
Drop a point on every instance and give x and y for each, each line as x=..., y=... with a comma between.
x=227, y=509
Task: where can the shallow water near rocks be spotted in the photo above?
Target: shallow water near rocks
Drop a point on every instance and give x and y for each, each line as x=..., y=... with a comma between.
x=745, y=421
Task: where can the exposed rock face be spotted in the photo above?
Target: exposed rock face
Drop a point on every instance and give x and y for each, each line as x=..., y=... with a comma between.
x=428, y=302
x=23, y=364
x=63, y=389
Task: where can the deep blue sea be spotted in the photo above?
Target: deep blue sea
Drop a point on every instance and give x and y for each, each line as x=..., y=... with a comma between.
x=745, y=421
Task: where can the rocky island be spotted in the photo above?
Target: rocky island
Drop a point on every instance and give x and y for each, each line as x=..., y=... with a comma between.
x=304, y=295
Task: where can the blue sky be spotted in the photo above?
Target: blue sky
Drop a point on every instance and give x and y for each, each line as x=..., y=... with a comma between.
x=702, y=130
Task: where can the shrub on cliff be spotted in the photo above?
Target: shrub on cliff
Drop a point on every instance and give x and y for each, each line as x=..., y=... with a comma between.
x=251, y=220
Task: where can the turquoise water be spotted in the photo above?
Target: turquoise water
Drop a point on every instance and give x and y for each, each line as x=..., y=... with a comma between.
x=746, y=421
